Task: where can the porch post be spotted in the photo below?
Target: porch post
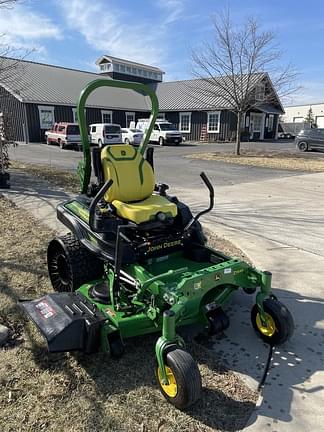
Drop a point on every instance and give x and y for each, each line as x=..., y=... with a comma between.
x=262, y=127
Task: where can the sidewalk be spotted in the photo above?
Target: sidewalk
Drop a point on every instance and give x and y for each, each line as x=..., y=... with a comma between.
x=279, y=225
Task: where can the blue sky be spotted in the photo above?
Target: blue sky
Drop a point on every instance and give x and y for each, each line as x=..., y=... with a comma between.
x=74, y=33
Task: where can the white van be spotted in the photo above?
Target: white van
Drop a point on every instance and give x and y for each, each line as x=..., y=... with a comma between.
x=163, y=132
x=105, y=133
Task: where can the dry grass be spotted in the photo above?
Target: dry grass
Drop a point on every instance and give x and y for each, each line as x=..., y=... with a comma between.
x=274, y=160
x=67, y=180
x=90, y=393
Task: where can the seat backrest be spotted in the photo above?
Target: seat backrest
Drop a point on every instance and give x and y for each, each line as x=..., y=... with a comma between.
x=132, y=175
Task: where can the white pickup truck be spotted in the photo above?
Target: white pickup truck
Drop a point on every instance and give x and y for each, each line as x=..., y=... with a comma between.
x=64, y=134
x=163, y=132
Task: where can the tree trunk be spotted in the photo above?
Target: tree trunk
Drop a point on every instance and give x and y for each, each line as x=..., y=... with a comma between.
x=238, y=134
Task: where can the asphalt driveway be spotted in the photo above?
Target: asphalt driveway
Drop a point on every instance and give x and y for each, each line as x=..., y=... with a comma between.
x=170, y=161
x=279, y=223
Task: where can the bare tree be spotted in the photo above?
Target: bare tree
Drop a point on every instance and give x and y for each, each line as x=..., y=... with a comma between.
x=235, y=60
x=8, y=3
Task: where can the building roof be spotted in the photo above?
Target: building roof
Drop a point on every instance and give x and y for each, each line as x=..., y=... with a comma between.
x=55, y=85
x=198, y=94
x=46, y=84
x=129, y=62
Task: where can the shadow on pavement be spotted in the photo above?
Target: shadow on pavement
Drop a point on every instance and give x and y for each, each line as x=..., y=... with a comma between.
x=294, y=364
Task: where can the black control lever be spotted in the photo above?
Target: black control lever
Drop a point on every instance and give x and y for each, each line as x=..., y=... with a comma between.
x=96, y=199
x=209, y=186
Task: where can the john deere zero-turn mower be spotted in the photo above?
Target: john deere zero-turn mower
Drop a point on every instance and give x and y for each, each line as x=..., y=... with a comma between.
x=136, y=262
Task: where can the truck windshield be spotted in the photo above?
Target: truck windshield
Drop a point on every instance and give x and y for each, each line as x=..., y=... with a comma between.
x=112, y=129
x=73, y=130
x=167, y=126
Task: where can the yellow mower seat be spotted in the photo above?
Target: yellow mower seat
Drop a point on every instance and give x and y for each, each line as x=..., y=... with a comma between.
x=133, y=184
x=145, y=210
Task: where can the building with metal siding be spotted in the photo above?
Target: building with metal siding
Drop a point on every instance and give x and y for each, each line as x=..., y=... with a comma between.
x=49, y=93
x=14, y=110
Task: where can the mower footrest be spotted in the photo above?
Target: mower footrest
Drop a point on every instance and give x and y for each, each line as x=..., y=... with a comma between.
x=68, y=321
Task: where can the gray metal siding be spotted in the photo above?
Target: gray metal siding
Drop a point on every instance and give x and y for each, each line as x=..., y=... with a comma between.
x=199, y=120
x=36, y=134
x=65, y=114
x=13, y=109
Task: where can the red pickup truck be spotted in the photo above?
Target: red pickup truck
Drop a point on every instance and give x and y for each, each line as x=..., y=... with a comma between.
x=64, y=134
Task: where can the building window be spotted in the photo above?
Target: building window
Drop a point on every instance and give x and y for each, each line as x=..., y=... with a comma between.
x=185, y=122
x=75, y=114
x=259, y=92
x=270, y=122
x=213, y=121
x=116, y=67
x=106, y=116
x=130, y=116
x=46, y=116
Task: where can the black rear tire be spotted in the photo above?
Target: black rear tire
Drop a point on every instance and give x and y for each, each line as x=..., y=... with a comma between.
x=187, y=377
x=70, y=265
x=282, y=318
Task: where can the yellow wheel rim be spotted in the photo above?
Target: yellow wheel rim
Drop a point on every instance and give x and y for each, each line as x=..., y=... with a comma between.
x=170, y=389
x=270, y=328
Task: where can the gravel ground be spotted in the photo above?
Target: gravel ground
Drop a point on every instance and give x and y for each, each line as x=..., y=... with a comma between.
x=92, y=393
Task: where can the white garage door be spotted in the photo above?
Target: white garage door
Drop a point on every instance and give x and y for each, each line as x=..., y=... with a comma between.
x=320, y=121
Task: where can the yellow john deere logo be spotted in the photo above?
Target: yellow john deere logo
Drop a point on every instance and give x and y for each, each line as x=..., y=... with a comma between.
x=164, y=245
x=238, y=271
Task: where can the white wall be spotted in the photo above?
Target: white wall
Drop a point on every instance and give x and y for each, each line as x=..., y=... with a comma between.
x=298, y=113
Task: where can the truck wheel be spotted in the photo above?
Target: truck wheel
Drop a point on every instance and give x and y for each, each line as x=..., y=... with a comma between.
x=184, y=378
x=302, y=146
x=70, y=265
x=161, y=141
x=280, y=323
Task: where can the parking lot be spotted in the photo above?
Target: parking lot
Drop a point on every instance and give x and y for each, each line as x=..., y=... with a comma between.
x=169, y=160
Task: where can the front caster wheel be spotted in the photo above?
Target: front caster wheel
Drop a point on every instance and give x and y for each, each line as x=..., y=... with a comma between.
x=280, y=323
x=184, y=386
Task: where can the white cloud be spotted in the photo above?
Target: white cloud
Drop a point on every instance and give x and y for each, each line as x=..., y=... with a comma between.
x=114, y=31
x=25, y=29
x=173, y=9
